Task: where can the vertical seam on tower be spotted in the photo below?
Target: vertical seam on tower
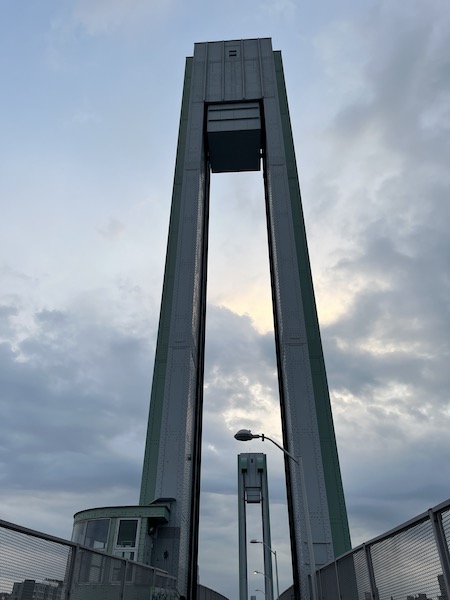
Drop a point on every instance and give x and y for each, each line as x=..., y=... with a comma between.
x=205, y=73
x=242, y=70
x=222, y=83
x=260, y=68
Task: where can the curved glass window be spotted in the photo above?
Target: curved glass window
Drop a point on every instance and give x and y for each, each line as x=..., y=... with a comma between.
x=97, y=533
x=78, y=532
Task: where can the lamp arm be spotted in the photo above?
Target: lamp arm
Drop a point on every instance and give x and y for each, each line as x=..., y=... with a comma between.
x=266, y=437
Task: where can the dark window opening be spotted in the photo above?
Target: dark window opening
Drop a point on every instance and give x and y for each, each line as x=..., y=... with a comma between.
x=126, y=536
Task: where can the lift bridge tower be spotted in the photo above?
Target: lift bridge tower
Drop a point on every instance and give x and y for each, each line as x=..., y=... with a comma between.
x=234, y=117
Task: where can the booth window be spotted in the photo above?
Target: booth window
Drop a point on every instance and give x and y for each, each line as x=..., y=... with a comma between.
x=126, y=535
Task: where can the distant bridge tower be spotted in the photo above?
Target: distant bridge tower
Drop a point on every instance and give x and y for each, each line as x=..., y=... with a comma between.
x=253, y=489
x=234, y=117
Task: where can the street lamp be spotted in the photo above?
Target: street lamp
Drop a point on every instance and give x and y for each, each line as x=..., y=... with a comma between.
x=276, y=563
x=245, y=435
x=266, y=576
x=261, y=573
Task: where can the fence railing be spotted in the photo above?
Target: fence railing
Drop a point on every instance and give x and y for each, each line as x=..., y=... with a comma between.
x=36, y=565
x=410, y=562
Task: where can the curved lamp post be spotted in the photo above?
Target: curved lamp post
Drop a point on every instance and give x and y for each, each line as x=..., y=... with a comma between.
x=245, y=435
x=276, y=563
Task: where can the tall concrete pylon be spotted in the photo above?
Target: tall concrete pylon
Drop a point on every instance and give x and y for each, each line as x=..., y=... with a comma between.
x=234, y=117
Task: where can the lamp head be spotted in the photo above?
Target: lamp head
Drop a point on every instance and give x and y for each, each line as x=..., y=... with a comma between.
x=245, y=435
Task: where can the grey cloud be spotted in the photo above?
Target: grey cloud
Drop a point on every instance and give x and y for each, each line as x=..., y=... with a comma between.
x=69, y=394
x=99, y=17
x=408, y=316
x=387, y=191
x=113, y=230
x=236, y=349
x=407, y=74
x=401, y=248
x=77, y=386
x=240, y=374
x=6, y=325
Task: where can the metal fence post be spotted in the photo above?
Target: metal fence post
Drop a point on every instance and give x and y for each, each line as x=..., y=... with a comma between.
x=71, y=570
x=442, y=547
x=338, y=585
x=319, y=583
x=373, y=585
x=124, y=578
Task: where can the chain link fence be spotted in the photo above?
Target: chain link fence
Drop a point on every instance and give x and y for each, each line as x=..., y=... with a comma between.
x=38, y=566
x=410, y=562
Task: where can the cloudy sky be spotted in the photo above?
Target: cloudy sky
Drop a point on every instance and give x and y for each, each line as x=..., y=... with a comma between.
x=90, y=98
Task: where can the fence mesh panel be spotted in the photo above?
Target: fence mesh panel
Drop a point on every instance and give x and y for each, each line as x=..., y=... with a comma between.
x=328, y=586
x=24, y=557
x=407, y=564
x=138, y=583
x=445, y=516
x=97, y=576
x=362, y=574
x=33, y=565
x=347, y=578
